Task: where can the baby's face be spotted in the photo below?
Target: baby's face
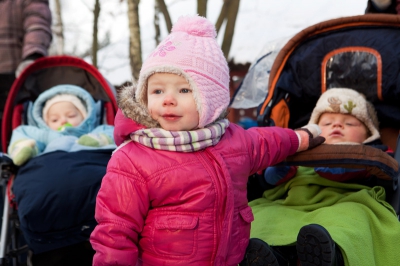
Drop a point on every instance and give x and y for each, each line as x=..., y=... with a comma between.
x=170, y=102
x=61, y=113
x=338, y=128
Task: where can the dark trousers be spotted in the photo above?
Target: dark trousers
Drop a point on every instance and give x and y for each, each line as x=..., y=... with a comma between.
x=77, y=255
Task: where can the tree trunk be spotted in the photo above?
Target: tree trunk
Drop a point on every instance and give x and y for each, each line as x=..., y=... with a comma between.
x=230, y=26
x=222, y=15
x=59, y=28
x=163, y=8
x=202, y=8
x=135, y=47
x=95, y=44
x=157, y=35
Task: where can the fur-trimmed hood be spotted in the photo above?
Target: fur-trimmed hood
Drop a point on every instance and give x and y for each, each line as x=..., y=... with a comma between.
x=133, y=109
x=133, y=115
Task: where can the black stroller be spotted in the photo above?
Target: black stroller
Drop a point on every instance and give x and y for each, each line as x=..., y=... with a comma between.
x=361, y=53
x=52, y=215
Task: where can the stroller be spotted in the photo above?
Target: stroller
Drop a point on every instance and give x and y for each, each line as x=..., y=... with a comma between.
x=64, y=183
x=360, y=52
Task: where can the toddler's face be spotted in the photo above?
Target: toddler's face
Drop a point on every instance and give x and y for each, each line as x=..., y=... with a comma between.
x=61, y=113
x=337, y=127
x=170, y=102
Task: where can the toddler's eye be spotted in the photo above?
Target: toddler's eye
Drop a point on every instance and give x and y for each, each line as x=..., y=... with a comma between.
x=185, y=90
x=157, y=91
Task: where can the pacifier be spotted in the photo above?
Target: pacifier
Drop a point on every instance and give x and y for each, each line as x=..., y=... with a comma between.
x=63, y=127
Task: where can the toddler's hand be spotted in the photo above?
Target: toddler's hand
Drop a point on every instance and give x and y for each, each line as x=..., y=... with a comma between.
x=22, y=150
x=95, y=140
x=309, y=137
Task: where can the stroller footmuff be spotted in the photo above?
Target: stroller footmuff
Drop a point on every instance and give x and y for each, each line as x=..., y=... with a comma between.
x=55, y=193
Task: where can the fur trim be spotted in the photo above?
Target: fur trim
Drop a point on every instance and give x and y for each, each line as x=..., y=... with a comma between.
x=139, y=113
x=141, y=89
x=134, y=110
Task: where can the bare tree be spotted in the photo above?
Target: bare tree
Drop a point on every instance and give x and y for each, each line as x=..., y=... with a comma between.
x=95, y=43
x=135, y=47
x=58, y=28
x=231, y=16
x=202, y=8
x=157, y=35
x=164, y=10
x=222, y=15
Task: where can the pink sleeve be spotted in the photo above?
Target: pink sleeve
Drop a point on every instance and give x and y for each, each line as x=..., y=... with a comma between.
x=271, y=145
x=120, y=212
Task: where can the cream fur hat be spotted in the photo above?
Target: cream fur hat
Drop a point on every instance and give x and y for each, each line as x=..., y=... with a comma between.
x=64, y=98
x=348, y=101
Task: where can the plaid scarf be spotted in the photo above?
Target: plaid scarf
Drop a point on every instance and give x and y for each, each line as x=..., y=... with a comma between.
x=183, y=141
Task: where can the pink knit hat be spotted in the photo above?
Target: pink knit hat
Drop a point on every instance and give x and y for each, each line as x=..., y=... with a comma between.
x=191, y=50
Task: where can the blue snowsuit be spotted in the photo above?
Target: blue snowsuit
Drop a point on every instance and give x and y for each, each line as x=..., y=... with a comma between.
x=56, y=191
x=48, y=140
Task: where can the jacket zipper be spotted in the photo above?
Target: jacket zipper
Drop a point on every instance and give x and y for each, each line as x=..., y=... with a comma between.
x=206, y=157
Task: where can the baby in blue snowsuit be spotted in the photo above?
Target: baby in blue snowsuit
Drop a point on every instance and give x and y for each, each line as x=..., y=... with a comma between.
x=62, y=118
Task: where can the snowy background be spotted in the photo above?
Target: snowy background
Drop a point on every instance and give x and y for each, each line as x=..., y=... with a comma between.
x=259, y=23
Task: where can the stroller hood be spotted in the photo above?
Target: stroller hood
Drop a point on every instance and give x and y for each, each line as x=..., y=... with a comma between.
x=88, y=124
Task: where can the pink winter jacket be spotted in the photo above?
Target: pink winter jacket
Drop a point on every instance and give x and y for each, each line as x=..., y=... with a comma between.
x=159, y=207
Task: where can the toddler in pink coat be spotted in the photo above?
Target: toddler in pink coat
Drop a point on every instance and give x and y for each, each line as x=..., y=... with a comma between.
x=175, y=189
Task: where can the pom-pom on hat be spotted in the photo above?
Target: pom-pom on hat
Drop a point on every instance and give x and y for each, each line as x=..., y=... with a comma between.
x=191, y=50
x=347, y=101
x=64, y=98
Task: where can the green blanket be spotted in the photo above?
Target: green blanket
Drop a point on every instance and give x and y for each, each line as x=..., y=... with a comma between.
x=358, y=218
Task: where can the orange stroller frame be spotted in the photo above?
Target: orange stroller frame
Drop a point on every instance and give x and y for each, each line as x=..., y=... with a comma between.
x=359, y=52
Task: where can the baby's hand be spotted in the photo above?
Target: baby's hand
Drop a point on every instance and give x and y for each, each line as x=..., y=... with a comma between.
x=309, y=137
x=22, y=150
x=95, y=140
